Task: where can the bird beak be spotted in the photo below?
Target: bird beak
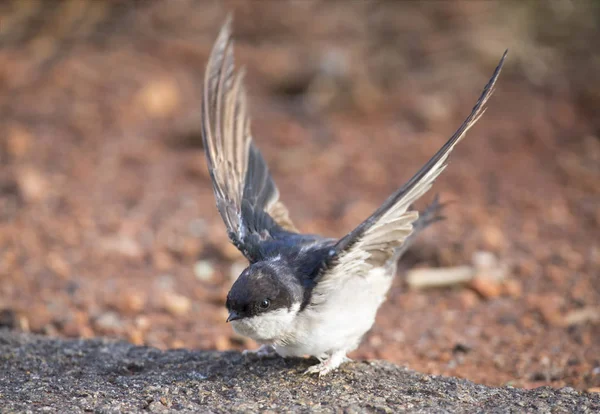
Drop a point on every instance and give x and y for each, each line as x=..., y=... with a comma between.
x=233, y=316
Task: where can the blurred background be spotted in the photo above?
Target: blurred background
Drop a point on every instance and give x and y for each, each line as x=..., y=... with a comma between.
x=108, y=225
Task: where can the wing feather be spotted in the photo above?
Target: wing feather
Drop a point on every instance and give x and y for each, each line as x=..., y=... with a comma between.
x=247, y=197
x=376, y=240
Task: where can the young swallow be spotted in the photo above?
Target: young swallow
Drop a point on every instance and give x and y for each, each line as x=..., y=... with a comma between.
x=303, y=295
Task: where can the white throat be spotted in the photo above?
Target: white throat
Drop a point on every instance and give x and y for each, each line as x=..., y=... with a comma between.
x=269, y=327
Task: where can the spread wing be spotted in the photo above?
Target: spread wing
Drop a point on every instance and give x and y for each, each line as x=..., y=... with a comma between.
x=376, y=240
x=247, y=197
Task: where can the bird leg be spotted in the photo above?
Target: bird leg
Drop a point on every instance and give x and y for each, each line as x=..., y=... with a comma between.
x=328, y=364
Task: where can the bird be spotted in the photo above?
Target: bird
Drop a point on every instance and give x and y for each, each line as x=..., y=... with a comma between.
x=303, y=295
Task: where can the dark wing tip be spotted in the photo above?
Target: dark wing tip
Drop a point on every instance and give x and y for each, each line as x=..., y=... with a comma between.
x=501, y=63
x=496, y=73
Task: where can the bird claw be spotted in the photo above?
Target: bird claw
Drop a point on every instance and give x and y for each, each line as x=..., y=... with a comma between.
x=325, y=367
x=320, y=369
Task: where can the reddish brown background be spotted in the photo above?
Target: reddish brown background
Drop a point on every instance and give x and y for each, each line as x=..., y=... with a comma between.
x=106, y=206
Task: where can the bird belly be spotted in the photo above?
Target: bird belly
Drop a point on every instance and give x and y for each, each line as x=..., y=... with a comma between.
x=341, y=319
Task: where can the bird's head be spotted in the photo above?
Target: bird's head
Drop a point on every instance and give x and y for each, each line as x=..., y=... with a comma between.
x=262, y=301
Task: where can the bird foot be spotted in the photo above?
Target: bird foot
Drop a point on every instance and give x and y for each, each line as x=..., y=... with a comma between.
x=328, y=365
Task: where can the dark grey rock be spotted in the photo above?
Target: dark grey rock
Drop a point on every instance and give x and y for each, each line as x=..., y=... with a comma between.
x=39, y=374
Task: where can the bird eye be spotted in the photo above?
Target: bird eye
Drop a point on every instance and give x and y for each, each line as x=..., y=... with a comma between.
x=265, y=304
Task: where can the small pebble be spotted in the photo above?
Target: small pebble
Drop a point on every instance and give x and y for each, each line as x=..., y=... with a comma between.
x=142, y=322
x=109, y=321
x=513, y=288
x=176, y=304
x=136, y=337
x=131, y=302
x=177, y=343
x=486, y=287
x=159, y=97
x=191, y=247
x=58, y=265
x=162, y=260
x=204, y=270
x=18, y=141
x=581, y=316
x=122, y=245
x=222, y=343
x=484, y=260
x=198, y=227
x=32, y=185
x=468, y=299
x=165, y=282
x=494, y=238
x=487, y=266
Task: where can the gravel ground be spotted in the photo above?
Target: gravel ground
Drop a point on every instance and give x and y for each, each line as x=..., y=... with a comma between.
x=39, y=374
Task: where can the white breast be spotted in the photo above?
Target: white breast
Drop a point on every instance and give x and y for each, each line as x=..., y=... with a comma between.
x=339, y=318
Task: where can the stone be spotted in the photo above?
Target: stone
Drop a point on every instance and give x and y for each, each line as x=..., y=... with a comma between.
x=102, y=375
x=204, y=270
x=176, y=304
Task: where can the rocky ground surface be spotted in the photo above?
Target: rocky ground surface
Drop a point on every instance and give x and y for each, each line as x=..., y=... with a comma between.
x=108, y=225
x=39, y=374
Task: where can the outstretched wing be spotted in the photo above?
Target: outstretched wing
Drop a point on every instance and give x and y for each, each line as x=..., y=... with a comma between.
x=246, y=194
x=377, y=239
